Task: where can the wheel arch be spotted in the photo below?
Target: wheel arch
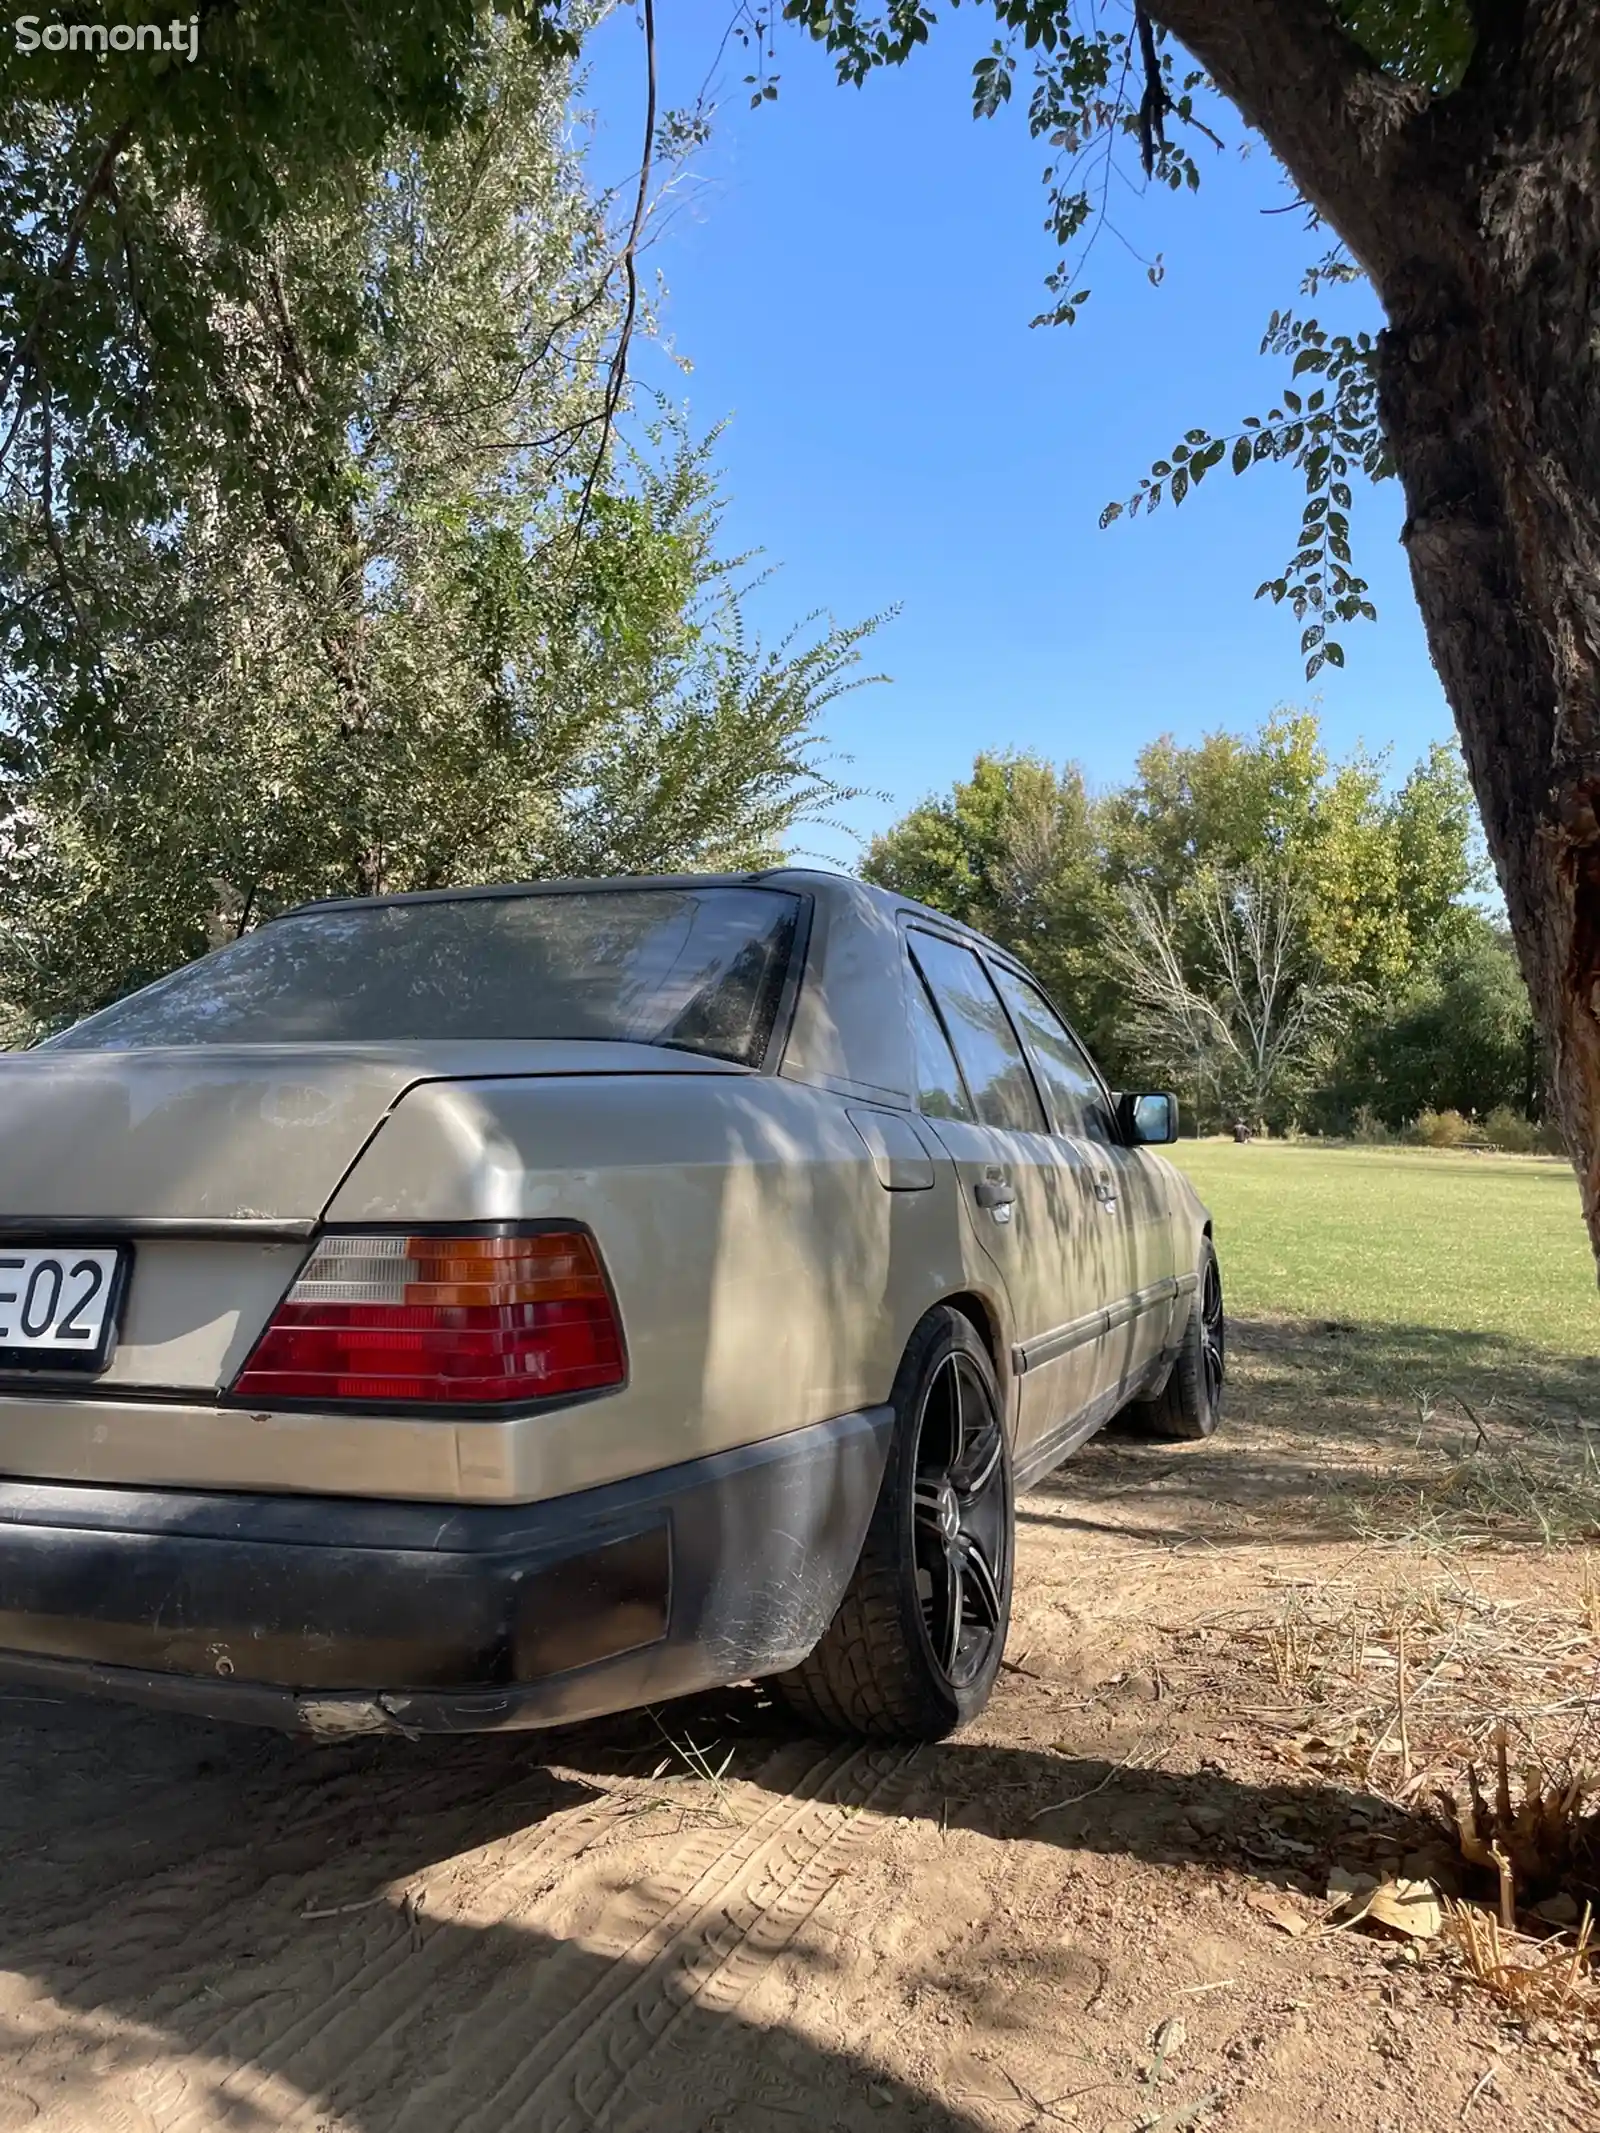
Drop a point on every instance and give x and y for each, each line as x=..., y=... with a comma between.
x=982, y=1315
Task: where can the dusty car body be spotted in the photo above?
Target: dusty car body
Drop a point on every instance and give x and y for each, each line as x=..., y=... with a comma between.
x=659, y=1271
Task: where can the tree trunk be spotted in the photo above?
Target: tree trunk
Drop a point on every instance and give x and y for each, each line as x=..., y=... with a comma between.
x=1489, y=377
x=1504, y=555
x=1477, y=215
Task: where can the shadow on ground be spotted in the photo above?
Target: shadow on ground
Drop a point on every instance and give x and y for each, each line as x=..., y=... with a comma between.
x=204, y=1929
x=1335, y=1430
x=157, y=1878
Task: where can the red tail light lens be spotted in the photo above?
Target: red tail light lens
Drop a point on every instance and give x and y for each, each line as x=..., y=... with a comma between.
x=440, y=1322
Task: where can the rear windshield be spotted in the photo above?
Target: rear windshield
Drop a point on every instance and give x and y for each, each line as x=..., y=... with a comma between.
x=700, y=969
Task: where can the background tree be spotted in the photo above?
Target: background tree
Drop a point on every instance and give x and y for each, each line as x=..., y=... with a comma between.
x=1227, y=996
x=1453, y=146
x=109, y=299
x=1461, y=1038
x=1384, y=877
x=1145, y=907
x=397, y=626
x=1017, y=850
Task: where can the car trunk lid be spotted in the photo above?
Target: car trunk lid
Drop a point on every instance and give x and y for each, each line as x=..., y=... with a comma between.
x=256, y=1135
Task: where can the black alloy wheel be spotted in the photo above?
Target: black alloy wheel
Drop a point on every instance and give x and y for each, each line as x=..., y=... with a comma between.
x=961, y=1522
x=1213, y=1333
x=916, y=1642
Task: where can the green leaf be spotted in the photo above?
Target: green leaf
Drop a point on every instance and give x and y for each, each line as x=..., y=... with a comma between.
x=1241, y=454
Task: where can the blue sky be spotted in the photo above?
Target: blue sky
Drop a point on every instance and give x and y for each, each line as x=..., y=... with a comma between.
x=851, y=274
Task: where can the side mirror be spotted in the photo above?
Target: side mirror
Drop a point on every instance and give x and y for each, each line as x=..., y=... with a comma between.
x=1148, y=1121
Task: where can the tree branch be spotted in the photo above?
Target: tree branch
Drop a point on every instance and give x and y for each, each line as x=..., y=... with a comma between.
x=1155, y=102
x=47, y=507
x=630, y=261
x=1335, y=119
x=99, y=179
x=288, y=341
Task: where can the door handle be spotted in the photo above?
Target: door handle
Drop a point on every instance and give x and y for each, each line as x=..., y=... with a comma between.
x=994, y=1193
x=1105, y=1190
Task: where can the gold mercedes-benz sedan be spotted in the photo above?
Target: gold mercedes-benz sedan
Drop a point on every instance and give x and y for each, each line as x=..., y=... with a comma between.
x=496, y=1307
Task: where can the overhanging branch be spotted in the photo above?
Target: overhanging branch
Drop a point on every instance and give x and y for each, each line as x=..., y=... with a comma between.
x=1335, y=120
x=618, y=378
x=1155, y=102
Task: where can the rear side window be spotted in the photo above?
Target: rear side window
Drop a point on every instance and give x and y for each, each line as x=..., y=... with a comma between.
x=1076, y=1096
x=939, y=1090
x=698, y=969
x=985, y=1043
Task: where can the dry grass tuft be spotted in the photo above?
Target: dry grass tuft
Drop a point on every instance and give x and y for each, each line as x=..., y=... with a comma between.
x=1399, y=1682
x=1483, y=1712
x=1546, y=1846
x=1510, y=1476
x=1536, y=1980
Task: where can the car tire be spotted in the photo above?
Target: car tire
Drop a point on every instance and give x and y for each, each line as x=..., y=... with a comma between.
x=1189, y=1405
x=914, y=1647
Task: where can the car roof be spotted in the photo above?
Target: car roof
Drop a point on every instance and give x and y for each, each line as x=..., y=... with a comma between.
x=820, y=881
x=886, y=900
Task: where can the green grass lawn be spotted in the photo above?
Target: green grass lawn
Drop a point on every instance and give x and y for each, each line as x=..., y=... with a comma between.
x=1487, y=1248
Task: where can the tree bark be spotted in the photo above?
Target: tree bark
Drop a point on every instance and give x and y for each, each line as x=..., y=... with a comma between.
x=1477, y=216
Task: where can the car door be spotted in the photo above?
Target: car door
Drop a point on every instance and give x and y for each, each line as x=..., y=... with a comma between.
x=1029, y=1194
x=1133, y=1227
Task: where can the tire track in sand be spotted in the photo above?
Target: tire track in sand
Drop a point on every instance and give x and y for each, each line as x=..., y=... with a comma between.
x=723, y=1911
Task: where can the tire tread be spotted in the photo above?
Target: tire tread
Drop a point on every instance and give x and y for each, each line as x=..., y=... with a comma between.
x=1180, y=1412
x=866, y=1677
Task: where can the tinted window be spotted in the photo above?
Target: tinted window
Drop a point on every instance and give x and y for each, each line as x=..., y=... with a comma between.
x=939, y=1090
x=700, y=969
x=985, y=1043
x=1076, y=1096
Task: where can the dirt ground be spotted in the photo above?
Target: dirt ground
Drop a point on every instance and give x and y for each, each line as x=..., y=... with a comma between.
x=205, y=1929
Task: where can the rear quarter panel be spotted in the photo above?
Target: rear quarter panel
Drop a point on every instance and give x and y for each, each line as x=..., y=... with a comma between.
x=766, y=1279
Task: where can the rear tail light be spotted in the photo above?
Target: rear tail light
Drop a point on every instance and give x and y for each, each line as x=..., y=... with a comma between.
x=441, y=1322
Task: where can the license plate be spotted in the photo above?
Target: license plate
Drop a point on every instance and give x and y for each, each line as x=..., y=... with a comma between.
x=58, y=1307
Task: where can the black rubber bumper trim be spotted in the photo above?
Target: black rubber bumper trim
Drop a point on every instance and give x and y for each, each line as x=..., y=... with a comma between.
x=333, y=1615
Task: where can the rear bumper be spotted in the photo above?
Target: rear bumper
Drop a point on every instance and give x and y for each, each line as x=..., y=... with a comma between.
x=333, y=1616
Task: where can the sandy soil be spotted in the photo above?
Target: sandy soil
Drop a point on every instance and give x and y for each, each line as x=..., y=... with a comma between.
x=205, y=1929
